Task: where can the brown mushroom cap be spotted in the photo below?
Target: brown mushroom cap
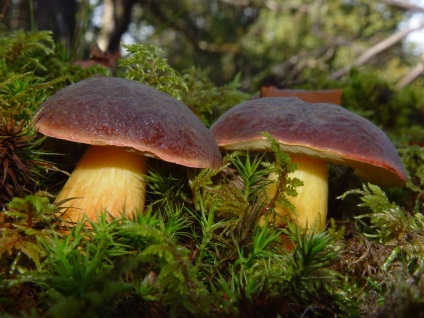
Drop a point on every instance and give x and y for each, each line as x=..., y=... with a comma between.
x=125, y=113
x=325, y=131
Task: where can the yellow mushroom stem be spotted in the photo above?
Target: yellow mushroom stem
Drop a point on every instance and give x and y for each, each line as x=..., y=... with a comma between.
x=312, y=199
x=106, y=178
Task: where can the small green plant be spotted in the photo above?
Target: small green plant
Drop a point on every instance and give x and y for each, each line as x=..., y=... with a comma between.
x=32, y=68
x=207, y=100
x=388, y=222
x=23, y=221
x=403, y=296
x=79, y=275
x=125, y=260
x=22, y=162
x=145, y=64
x=23, y=93
x=393, y=239
x=166, y=186
x=413, y=159
x=391, y=225
x=26, y=50
x=311, y=257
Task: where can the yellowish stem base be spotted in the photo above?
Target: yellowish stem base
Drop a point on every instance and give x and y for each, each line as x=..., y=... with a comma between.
x=106, y=178
x=312, y=198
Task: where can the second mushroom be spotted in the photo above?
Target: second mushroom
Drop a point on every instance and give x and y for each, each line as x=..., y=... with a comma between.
x=124, y=122
x=312, y=134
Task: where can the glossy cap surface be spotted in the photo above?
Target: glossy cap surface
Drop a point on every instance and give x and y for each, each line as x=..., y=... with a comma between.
x=125, y=113
x=325, y=131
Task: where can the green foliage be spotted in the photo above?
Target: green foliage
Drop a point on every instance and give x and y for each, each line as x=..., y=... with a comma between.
x=32, y=209
x=32, y=68
x=166, y=185
x=309, y=273
x=175, y=283
x=146, y=65
x=25, y=51
x=87, y=268
x=288, y=42
x=376, y=99
x=236, y=198
x=78, y=274
x=23, y=72
x=387, y=219
x=313, y=252
x=250, y=275
x=23, y=93
x=242, y=190
x=23, y=222
x=22, y=163
x=287, y=280
x=28, y=63
x=207, y=100
x=404, y=296
x=413, y=160
x=391, y=255
x=249, y=263
x=392, y=226
x=198, y=248
x=282, y=167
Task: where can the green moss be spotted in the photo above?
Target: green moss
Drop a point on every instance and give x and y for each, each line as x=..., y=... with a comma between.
x=197, y=250
x=146, y=64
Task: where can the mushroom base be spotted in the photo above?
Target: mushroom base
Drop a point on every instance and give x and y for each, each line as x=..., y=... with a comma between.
x=312, y=198
x=106, y=178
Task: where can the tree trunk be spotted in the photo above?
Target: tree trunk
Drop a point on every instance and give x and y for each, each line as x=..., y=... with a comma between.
x=115, y=22
x=59, y=17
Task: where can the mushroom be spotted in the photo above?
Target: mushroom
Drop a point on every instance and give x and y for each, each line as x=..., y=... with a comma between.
x=312, y=134
x=124, y=122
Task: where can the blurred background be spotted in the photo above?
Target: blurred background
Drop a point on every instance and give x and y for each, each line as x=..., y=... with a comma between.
x=287, y=43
